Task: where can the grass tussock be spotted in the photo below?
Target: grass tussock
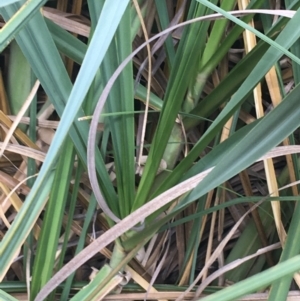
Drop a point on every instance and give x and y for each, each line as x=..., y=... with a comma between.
x=149, y=150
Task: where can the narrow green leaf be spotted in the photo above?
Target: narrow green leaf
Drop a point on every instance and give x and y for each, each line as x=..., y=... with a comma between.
x=6, y=297
x=85, y=228
x=280, y=288
x=19, y=84
x=48, y=241
x=122, y=126
x=162, y=12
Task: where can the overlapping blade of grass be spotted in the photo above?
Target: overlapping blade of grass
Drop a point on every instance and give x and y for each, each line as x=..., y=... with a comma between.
x=16, y=23
x=92, y=289
x=52, y=222
x=31, y=170
x=216, y=35
x=248, y=27
x=266, y=133
x=212, y=55
x=210, y=160
x=75, y=49
x=66, y=43
x=107, y=24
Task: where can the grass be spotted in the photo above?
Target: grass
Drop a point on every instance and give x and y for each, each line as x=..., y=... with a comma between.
x=144, y=173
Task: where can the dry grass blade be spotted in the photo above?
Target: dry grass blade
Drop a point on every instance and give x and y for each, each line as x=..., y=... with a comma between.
x=64, y=21
x=19, y=116
x=217, y=251
x=24, y=151
x=158, y=268
x=232, y=265
x=250, y=43
x=40, y=123
x=12, y=182
x=142, y=137
x=17, y=204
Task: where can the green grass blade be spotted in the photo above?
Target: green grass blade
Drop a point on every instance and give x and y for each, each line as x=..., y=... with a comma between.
x=7, y=2
x=295, y=49
x=85, y=228
x=216, y=34
x=280, y=289
x=66, y=43
x=211, y=64
x=6, y=297
x=16, y=23
x=19, y=84
x=122, y=126
x=162, y=12
x=20, y=229
x=70, y=217
x=229, y=85
x=88, y=293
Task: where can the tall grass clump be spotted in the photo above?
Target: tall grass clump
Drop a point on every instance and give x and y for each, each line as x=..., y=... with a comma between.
x=149, y=149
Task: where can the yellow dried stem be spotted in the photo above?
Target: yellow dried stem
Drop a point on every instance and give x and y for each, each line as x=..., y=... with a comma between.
x=250, y=43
